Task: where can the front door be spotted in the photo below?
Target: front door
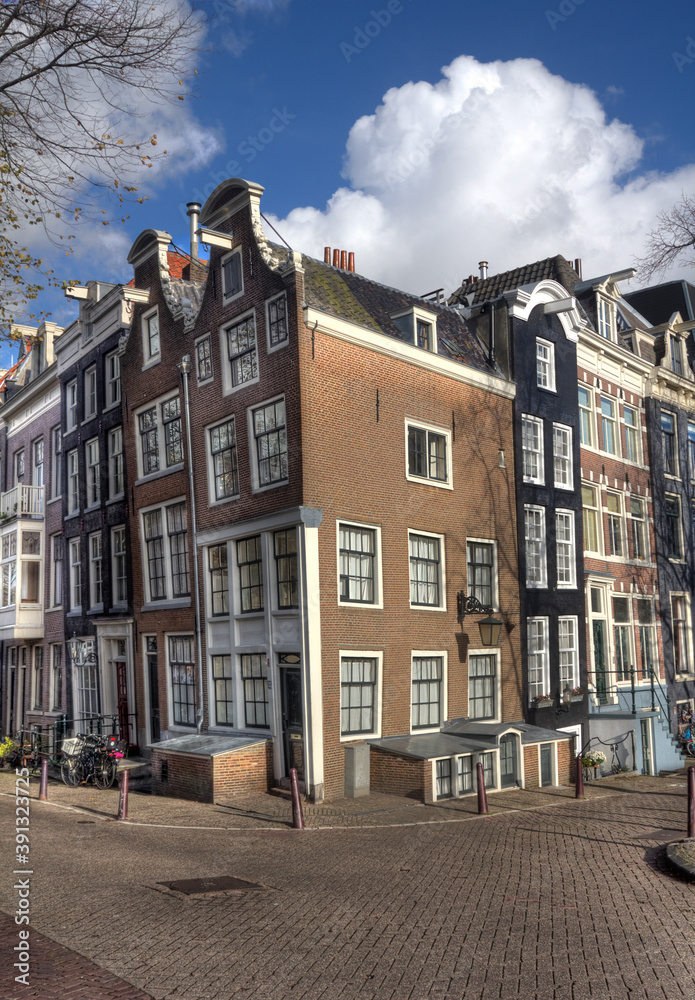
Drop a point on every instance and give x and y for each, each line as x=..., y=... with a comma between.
x=508, y=775
x=600, y=661
x=153, y=681
x=546, y=764
x=292, y=725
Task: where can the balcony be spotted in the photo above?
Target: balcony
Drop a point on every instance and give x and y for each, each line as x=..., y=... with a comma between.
x=21, y=501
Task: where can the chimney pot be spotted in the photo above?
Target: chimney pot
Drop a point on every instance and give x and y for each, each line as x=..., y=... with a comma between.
x=326, y=255
x=578, y=266
x=336, y=258
x=193, y=211
x=343, y=260
x=483, y=269
x=351, y=262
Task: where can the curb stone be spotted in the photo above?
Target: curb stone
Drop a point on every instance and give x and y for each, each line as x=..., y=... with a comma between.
x=681, y=856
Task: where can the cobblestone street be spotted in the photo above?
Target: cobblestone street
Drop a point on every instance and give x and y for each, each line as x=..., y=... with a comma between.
x=567, y=901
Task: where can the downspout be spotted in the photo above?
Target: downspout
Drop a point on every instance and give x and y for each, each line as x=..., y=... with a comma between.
x=185, y=368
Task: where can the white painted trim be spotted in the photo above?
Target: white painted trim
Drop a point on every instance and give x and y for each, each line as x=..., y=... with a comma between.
x=444, y=691
x=312, y=684
x=367, y=654
x=378, y=576
x=495, y=571
x=444, y=432
x=442, y=572
x=488, y=651
x=522, y=301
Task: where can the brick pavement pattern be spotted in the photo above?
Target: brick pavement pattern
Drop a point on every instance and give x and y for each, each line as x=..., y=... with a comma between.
x=571, y=901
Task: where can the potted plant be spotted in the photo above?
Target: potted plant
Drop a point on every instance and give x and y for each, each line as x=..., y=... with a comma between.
x=593, y=758
x=577, y=694
x=542, y=701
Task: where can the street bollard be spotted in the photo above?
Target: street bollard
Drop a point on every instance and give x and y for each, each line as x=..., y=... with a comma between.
x=482, y=794
x=123, y=796
x=43, y=787
x=297, y=815
x=691, y=800
x=579, y=779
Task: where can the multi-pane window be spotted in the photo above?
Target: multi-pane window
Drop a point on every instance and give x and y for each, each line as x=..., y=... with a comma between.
x=465, y=775
x=113, y=379
x=19, y=466
x=93, y=474
x=639, y=528
x=545, y=364
x=219, y=579
x=116, y=475
x=38, y=678
x=482, y=677
x=647, y=638
x=71, y=403
x=676, y=355
x=565, y=548
x=606, y=319
x=160, y=436
x=357, y=551
x=95, y=581
x=562, y=457
x=425, y=570
x=149, y=441
x=681, y=644
x=568, y=652
x=73, y=482
x=119, y=568
x=277, y=321
x=623, y=638
x=631, y=421
x=608, y=427
x=615, y=524
x=31, y=568
x=150, y=329
x=358, y=679
x=203, y=359
x=224, y=460
x=90, y=393
x=285, y=549
x=480, y=561
x=176, y=529
x=532, y=449
x=427, y=454
x=57, y=549
x=37, y=461
x=691, y=448
x=242, y=351
x=75, y=574
x=250, y=563
x=535, y=546
x=56, y=677
x=668, y=443
x=224, y=690
x=586, y=417
x=427, y=691
x=254, y=673
x=167, y=566
x=672, y=527
x=181, y=664
x=154, y=546
x=590, y=513
x=443, y=778
x=424, y=335
x=231, y=275
x=538, y=658
x=173, y=437
x=270, y=435
x=56, y=462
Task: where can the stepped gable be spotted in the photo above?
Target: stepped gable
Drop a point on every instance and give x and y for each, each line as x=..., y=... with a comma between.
x=484, y=289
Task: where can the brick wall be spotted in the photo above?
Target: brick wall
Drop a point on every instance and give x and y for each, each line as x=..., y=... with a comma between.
x=531, y=774
x=208, y=779
x=243, y=771
x=394, y=775
x=565, y=762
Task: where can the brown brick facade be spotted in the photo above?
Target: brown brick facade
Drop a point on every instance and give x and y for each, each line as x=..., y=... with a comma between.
x=210, y=779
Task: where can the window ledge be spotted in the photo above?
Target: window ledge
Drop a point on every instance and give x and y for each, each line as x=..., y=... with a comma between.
x=118, y=609
x=426, y=607
x=223, y=500
x=92, y=506
x=119, y=498
x=74, y=613
x=229, y=390
x=207, y=381
x=428, y=482
x=241, y=615
x=269, y=486
x=75, y=513
x=98, y=609
x=54, y=500
x=152, y=362
x=111, y=406
x=366, y=606
x=361, y=737
x=158, y=475
x=184, y=602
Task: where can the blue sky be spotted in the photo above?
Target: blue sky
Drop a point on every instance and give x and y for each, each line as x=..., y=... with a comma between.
x=498, y=158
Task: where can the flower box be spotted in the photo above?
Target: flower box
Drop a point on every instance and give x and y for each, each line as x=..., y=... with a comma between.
x=577, y=697
x=543, y=703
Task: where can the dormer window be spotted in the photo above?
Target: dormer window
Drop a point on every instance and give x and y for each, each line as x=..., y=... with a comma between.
x=676, y=355
x=606, y=318
x=418, y=326
x=424, y=335
x=232, y=277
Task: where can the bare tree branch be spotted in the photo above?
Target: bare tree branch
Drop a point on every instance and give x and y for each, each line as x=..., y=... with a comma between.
x=672, y=241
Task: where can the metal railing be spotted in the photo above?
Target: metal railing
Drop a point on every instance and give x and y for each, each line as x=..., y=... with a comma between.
x=608, y=696
x=22, y=501
x=47, y=740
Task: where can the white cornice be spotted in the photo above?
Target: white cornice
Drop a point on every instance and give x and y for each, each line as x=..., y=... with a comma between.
x=616, y=353
x=522, y=301
x=382, y=343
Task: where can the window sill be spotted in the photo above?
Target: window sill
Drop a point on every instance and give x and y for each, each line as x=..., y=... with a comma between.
x=92, y=506
x=165, y=605
x=98, y=609
x=75, y=513
x=117, y=499
x=229, y=390
x=428, y=482
x=53, y=500
x=426, y=607
x=158, y=475
x=111, y=406
x=74, y=613
x=241, y=615
x=534, y=482
x=88, y=418
x=365, y=605
x=151, y=363
x=269, y=486
x=545, y=388
x=207, y=381
x=118, y=609
x=360, y=737
x=278, y=347
x=223, y=500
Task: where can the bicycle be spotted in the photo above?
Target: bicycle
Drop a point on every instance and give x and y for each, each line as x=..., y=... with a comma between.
x=90, y=757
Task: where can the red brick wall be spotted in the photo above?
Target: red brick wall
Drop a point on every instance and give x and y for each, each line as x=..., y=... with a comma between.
x=565, y=762
x=531, y=775
x=190, y=776
x=406, y=776
x=243, y=771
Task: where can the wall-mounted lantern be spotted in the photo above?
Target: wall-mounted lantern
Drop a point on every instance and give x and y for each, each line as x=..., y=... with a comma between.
x=490, y=627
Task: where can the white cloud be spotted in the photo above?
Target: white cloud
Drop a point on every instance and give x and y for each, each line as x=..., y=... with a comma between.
x=500, y=161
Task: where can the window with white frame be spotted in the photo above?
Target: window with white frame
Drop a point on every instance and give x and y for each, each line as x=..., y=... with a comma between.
x=676, y=354
x=535, y=546
x=423, y=335
x=37, y=683
x=545, y=364
x=532, y=449
x=73, y=482
x=9, y=569
x=116, y=473
x=562, y=457
x=359, y=676
x=285, y=551
x=254, y=675
x=90, y=392
x=623, y=638
x=182, y=680
x=268, y=424
x=586, y=416
x=673, y=543
x=647, y=638
x=640, y=547
x=669, y=443
x=30, y=570
x=166, y=553
x=680, y=618
x=223, y=680
x=426, y=573
x=249, y=556
x=56, y=462
x=691, y=448
x=95, y=577
x=119, y=567
x=565, y=548
x=224, y=472
x=74, y=550
x=277, y=321
x=203, y=359
x=428, y=454
x=57, y=549
x=606, y=318
x=71, y=404
x=481, y=566
x=19, y=466
x=614, y=508
x=482, y=686
x=443, y=784
x=56, y=695
x=538, y=658
x=112, y=366
x=160, y=436
x=219, y=579
x=592, y=536
x=232, y=275
x=427, y=695
x=632, y=434
x=150, y=337
x=242, y=351
x=37, y=462
x=357, y=565
x=568, y=651
x=609, y=433
x=91, y=454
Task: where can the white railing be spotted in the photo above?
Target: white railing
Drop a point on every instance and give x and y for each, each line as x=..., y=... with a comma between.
x=22, y=501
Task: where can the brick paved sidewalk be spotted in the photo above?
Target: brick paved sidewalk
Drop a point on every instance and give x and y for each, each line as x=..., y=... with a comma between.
x=57, y=973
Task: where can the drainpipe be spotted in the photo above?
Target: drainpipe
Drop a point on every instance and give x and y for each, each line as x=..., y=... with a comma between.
x=185, y=369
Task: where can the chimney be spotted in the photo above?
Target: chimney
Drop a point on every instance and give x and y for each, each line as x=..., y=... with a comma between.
x=193, y=211
x=326, y=255
x=578, y=266
x=351, y=262
x=483, y=269
x=343, y=260
x=336, y=258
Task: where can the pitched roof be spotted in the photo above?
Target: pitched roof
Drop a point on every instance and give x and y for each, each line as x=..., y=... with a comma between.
x=484, y=289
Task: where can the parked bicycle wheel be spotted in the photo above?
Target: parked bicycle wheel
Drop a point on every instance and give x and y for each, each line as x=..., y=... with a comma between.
x=71, y=771
x=104, y=771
